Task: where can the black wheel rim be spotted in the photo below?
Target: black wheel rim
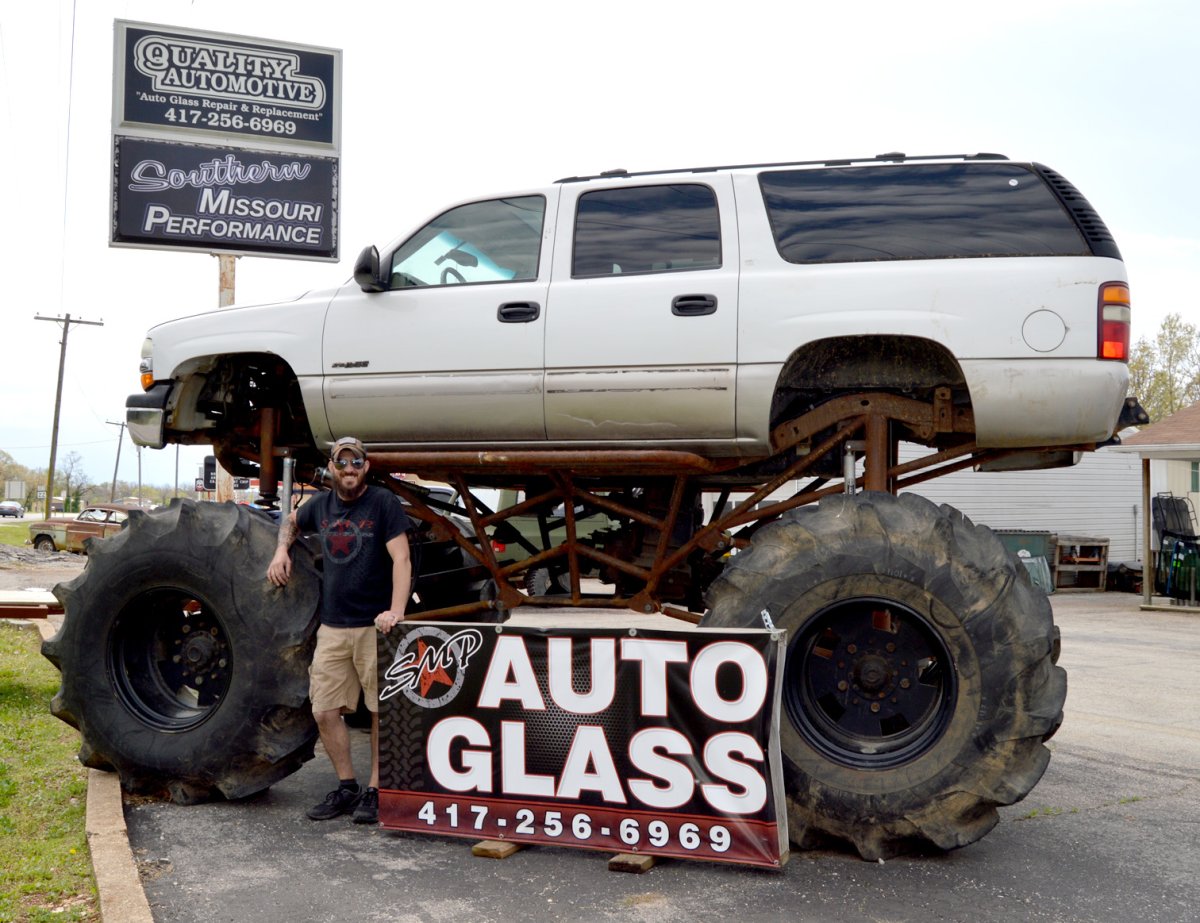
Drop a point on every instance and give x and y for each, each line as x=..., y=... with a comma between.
x=870, y=683
x=169, y=659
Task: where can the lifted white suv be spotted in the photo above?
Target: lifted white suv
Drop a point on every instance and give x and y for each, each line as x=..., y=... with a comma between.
x=693, y=309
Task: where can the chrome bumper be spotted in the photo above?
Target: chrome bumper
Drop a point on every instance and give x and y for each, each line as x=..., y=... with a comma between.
x=146, y=416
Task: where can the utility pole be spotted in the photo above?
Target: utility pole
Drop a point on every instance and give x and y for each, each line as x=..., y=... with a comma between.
x=66, y=322
x=112, y=496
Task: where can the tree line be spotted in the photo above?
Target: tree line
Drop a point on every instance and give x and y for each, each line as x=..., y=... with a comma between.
x=72, y=483
x=1164, y=373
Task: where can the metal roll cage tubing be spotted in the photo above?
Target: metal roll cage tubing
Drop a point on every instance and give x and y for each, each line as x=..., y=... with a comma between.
x=863, y=427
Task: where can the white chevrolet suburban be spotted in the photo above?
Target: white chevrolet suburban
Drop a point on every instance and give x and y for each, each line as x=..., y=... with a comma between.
x=692, y=309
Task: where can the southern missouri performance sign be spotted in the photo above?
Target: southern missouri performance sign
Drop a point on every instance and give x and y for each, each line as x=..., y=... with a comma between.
x=224, y=143
x=628, y=741
x=215, y=198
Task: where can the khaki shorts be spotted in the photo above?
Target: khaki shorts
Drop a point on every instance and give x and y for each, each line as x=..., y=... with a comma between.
x=343, y=663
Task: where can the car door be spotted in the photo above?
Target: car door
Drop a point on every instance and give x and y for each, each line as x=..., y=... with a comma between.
x=116, y=520
x=641, y=332
x=452, y=352
x=88, y=524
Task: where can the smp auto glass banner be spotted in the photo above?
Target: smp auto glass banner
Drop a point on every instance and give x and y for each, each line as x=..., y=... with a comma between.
x=206, y=82
x=663, y=742
x=219, y=199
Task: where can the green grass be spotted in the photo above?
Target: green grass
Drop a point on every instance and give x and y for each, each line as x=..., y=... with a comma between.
x=1047, y=812
x=14, y=531
x=45, y=866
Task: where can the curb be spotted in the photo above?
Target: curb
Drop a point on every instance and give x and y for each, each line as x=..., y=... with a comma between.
x=122, y=899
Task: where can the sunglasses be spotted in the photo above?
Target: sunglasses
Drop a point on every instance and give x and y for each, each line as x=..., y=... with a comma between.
x=357, y=463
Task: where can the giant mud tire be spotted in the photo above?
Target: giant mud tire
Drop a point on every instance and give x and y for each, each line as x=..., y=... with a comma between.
x=919, y=686
x=183, y=668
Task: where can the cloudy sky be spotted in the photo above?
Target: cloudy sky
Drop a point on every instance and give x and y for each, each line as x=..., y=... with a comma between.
x=444, y=101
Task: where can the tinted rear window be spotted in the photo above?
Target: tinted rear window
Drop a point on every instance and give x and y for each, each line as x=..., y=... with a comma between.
x=916, y=212
x=647, y=229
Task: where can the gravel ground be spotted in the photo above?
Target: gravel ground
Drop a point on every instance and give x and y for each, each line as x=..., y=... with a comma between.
x=25, y=568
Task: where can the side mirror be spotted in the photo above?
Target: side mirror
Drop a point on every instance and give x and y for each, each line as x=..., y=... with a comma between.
x=366, y=271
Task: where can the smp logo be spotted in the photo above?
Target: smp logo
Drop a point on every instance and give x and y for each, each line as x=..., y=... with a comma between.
x=244, y=74
x=430, y=665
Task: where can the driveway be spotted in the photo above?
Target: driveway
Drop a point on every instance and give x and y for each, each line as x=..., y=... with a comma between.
x=1111, y=833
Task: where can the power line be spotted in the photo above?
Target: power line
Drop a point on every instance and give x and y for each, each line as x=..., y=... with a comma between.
x=65, y=445
x=62, y=261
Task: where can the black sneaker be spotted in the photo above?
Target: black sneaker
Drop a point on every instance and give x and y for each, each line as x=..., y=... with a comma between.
x=367, y=811
x=338, y=802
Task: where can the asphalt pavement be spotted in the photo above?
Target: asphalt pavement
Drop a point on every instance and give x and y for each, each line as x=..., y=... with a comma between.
x=1112, y=832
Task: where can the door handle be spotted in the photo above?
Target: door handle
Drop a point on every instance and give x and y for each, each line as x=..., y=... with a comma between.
x=518, y=312
x=693, y=305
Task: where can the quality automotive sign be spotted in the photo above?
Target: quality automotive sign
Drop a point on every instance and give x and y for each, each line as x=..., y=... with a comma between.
x=184, y=105
x=213, y=198
x=185, y=80
x=645, y=741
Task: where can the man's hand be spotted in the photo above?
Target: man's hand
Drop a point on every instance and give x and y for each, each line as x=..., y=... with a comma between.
x=279, y=571
x=387, y=620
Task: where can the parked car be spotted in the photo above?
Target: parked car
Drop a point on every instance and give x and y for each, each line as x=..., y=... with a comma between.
x=12, y=508
x=96, y=521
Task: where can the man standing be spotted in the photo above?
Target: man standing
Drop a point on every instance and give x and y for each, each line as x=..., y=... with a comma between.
x=366, y=581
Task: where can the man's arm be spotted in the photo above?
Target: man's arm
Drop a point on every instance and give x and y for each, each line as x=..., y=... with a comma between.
x=279, y=571
x=401, y=583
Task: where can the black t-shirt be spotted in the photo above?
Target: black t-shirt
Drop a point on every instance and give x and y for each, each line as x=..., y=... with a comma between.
x=357, y=569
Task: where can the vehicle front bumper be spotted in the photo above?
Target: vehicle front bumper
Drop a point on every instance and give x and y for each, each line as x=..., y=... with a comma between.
x=146, y=416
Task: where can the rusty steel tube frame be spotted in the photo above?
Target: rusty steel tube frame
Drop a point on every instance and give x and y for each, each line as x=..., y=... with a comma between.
x=866, y=417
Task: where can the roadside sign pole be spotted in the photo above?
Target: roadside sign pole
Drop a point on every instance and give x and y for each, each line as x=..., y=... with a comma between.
x=62, y=363
x=227, y=281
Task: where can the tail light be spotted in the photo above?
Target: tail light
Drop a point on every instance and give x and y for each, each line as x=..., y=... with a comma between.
x=498, y=547
x=1113, y=339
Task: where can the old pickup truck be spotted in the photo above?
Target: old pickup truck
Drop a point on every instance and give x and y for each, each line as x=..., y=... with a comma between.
x=99, y=520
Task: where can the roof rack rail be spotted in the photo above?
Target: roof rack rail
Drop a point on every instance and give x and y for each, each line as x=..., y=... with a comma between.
x=892, y=157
